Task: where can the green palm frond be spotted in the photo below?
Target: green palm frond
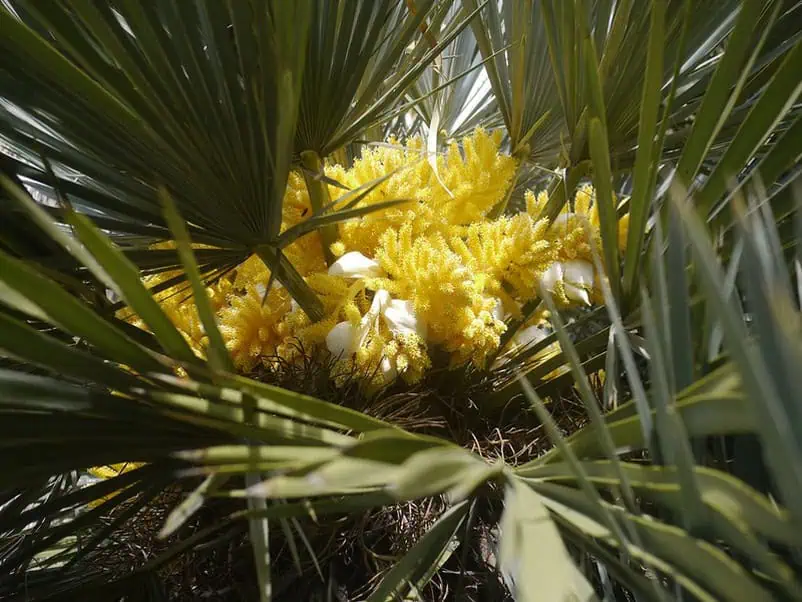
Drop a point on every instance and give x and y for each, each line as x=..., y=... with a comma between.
x=136, y=97
x=465, y=104
x=214, y=89
x=680, y=405
x=766, y=137
x=97, y=427
x=362, y=58
x=521, y=77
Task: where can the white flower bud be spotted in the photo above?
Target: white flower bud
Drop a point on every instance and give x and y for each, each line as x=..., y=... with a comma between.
x=355, y=265
x=344, y=339
x=578, y=277
x=552, y=276
x=340, y=340
x=400, y=318
x=387, y=370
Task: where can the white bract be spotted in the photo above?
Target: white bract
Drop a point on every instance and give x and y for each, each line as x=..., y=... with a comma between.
x=577, y=278
x=355, y=265
x=345, y=338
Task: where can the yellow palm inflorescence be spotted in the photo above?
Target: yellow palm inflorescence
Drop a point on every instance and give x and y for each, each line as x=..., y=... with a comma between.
x=434, y=272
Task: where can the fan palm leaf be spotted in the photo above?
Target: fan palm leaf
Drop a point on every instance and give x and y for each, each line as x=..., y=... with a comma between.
x=363, y=56
x=773, y=103
x=215, y=88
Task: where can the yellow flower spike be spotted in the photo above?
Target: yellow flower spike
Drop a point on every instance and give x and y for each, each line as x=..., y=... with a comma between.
x=436, y=260
x=333, y=291
x=251, y=328
x=509, y=249
x=186, y=319
x=535, y=203
x=478, y=178
x=352, y=313
x=306, y=254
x=412, y=360
x=348, y=303
x=219, y=292
x=475, y=180
x=296, y=205
x=177, y=304
x=572, y=236
x=426, y=271
x=391, y=350
x=451, y=297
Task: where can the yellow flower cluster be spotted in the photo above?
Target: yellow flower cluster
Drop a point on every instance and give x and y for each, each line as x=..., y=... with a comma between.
x=466, y=186
x=434, y=272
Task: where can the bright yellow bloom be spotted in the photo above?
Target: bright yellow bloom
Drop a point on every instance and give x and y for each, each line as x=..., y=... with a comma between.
x=444, y=291
x=385, y=342
x=472, y=181
x=570, y=222
x=249, y=273
x=176, y=302
x=433, y=273
x=510, y=250
x=250, y=328
x=568, y=234
x=306, y=253
x=571, y=245
x=340, y=298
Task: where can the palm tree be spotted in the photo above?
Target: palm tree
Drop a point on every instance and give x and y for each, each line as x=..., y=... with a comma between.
x=125, y=124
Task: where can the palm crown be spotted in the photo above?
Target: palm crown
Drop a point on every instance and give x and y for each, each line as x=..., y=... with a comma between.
x=154, y=153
